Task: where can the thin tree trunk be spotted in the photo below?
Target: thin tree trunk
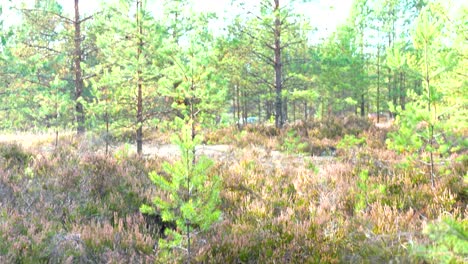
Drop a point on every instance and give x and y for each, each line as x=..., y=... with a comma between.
x=238, y=105
x=378, y=84
x=234, y=107
x=431, y=125
x=79, y=111
x=294, y=110
x=259, y=110
x=268, y=104
x=305, y=111
x=244, y=107
x=390, y=92
x=363, y=105
x=107, y=133
x=285, y=110
x=106, y=116
x=279, y=118
x=402, y=90
x=56, y=118
x=396, y=89
x=139, y=131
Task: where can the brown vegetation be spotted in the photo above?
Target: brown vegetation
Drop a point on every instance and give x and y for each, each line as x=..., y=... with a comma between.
x=75, y=205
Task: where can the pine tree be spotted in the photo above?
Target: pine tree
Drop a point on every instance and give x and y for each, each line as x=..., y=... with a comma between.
x=271, y=27
x=131, y=56
x=423, y=126
x=191, y=194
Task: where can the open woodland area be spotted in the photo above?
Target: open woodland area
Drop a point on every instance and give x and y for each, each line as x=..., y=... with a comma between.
x=157, y=132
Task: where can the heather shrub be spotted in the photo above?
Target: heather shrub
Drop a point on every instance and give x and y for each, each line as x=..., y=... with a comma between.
x=246, y=138
x=77, y=207
x=267, y=203
x=368, y=205
x=328, y=128
x=220, y=136
x=354, y=124
x=14, y=156
x=267, y=130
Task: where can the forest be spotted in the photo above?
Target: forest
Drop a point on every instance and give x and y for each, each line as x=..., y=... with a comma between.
x=158, y=131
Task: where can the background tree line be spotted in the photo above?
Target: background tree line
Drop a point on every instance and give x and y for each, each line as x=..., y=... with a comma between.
x=126, y=68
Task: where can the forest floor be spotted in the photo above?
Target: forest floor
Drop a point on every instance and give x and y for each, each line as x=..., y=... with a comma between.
x=300, y=195
x=219, y=152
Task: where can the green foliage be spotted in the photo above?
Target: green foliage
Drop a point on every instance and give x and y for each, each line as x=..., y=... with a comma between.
x=123, y=153
x=367, y=193
x=350, y=145
x=293, y=143
x=37, y=87
x=351, y=141
x=191, y=79
x=191, y=195
x=424, y=128
x=448, y=241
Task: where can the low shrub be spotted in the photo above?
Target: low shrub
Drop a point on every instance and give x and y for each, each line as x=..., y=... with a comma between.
x=14, y=156
x=77, y=207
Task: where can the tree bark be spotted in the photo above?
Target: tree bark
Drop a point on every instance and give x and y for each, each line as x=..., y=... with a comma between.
x=402, y=90
x=279, y=117
x=234, y=106
x=79, y=111
x=378, y=84
x=363, y=105
x=139, y=130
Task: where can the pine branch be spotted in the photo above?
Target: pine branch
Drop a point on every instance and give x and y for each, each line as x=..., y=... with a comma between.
x=42, y=47
x=264, y=58
x=31, y=10
x=262, y=80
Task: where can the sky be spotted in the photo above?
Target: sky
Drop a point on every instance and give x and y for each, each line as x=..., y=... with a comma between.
x=325, y=15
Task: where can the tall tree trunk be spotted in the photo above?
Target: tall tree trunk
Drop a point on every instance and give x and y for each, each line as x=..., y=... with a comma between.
x=234, y=105
x=363, y=94
x=378, y=83
x=390, y=91
x=285, y=110
x=396, y=88
x=268, y=104
x=238, y=105
x=402, y=90
x=363, y=105
x=279, y=118
x=139, y=131
x=294, y=110
x=429, y=107
x=305, y=111
x=244, y=107
x=79, y=111
x=259, y=110
x=106, y=117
